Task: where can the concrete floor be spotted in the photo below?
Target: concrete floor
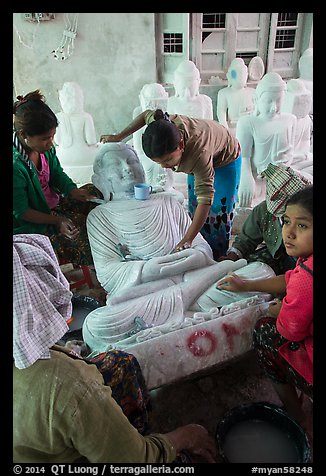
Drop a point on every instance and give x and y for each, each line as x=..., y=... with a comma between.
x=204, y=399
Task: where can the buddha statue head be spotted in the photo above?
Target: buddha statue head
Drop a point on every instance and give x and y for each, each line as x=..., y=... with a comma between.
x=237, y=74
x=269, y=95
x=71, y=98
x=116, y=170
x=186, y=80
x=153, y=96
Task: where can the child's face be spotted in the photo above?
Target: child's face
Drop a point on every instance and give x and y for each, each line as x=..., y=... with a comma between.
x=297, y=231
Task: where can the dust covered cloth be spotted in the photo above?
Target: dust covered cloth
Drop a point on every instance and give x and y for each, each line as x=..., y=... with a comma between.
x=41, y=299
x=281, y=183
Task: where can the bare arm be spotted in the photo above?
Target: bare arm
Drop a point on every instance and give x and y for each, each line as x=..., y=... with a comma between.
x=275, y=285
x=198, y=221
x=34, y=216
x=134, y=126
x=65, y=225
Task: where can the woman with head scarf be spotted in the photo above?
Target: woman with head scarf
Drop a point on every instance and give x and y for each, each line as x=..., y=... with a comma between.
x=260, y=238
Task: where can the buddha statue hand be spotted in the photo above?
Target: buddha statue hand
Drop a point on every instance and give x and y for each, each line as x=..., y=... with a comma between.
x=173, y=264
x=246, y=189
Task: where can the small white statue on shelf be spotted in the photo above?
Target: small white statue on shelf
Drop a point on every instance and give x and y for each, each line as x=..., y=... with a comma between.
x=187, y=100
x=153, y=96
x=306, y=72
x=75, y=136
x=266, y=136
x=256, y=68
x=132, y=242
x=298, y=102
x=236, y=99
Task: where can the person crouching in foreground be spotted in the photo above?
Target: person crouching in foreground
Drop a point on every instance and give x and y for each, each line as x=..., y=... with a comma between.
x=63, y=409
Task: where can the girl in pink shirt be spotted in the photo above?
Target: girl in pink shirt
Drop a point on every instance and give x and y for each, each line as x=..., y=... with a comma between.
x=284, y=339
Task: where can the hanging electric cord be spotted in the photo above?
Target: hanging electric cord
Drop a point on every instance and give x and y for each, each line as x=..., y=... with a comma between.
x=35, y=28
x=66, y=47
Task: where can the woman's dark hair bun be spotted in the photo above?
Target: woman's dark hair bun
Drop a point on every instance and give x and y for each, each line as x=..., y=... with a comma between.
x=158, y=114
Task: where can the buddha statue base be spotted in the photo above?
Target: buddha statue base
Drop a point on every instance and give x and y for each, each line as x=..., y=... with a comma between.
x=205, y=341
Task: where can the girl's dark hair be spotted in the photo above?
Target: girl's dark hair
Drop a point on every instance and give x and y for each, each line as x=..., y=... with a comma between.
x=32, y=115
x=161, y=136
x=304, y=198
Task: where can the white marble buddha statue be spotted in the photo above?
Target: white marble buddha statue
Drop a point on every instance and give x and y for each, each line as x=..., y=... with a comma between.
x=153, y=96
x=132, y=243
x=266, y=136
x=236, y=99
x=306, y=72
x=75, y=136
x=187, y=99
x=297, y=101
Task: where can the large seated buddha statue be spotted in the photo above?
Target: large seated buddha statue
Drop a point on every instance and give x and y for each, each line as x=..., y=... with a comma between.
x=132, y=243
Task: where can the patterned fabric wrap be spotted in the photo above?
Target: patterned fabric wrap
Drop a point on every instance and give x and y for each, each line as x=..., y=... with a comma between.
x=121, y=371
x=76, y=251
x=267, y=342
x=281, y=183
x=218, y=227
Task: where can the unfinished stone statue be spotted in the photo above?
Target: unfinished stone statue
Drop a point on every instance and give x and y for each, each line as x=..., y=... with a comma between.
x=306, y=72
x=298, y=102
x=266, y=136
x=75, y=137
x=132, y=243
x=236, y=99
x=153, y=96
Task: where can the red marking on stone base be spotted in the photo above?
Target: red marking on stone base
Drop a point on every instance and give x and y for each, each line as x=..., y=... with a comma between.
x=230, y=332
x=193, y=343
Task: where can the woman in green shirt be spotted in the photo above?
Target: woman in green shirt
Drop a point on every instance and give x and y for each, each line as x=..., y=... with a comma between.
x=45, y=199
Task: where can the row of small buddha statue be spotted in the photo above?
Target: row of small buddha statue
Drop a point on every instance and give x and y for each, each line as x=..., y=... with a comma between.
x=284, y=137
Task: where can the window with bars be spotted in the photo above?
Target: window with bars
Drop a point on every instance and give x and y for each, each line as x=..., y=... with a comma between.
x=277, y=38
x=213, y=20
x=287, y=19
x=172, y=43
x=285, y=37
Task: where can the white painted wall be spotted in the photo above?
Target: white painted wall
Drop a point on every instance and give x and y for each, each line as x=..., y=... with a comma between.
x=114, y=57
